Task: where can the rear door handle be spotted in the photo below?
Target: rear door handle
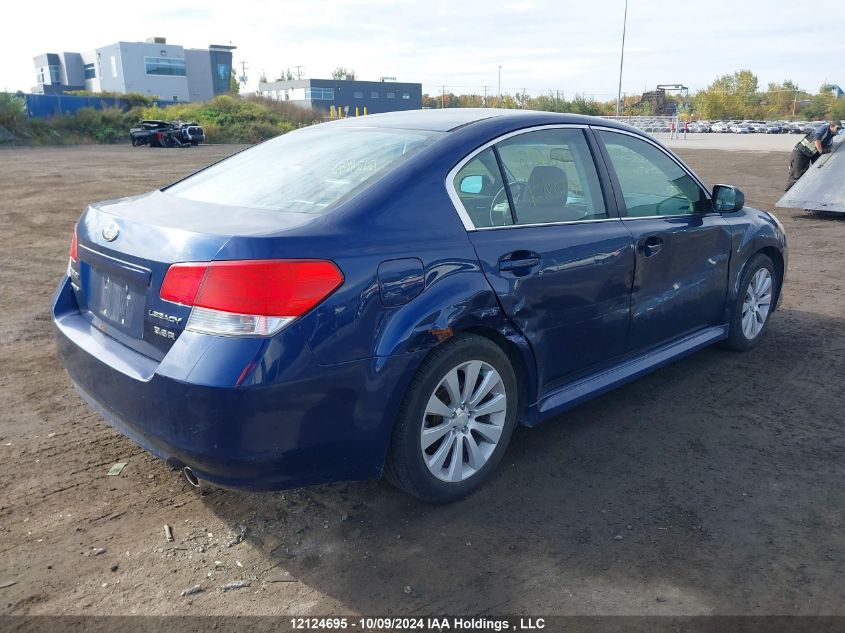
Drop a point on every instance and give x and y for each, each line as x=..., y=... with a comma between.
x=651, y=246
x=519, y=260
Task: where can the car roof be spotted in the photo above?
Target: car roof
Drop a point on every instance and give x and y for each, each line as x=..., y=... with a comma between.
x=449, y=119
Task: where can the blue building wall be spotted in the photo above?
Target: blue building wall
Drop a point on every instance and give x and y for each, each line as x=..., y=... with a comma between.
x=42, y=106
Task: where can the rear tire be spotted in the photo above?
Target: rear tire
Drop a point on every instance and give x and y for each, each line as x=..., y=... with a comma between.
x=455, y=421
x=755, y=302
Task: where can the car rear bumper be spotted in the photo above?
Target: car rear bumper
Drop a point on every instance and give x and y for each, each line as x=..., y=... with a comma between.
x=293, y=423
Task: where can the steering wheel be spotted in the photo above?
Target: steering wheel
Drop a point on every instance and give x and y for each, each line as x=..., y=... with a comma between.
x=501, y=207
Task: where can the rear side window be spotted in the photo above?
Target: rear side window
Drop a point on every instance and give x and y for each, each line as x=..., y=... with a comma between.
x=652, y=183
x=550, y=178
x=482, y=191
x=306, y=171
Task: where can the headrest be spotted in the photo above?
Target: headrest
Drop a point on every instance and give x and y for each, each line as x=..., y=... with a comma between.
x=547, y=183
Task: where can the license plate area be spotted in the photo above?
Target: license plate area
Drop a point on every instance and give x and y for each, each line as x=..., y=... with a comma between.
x=117, y=301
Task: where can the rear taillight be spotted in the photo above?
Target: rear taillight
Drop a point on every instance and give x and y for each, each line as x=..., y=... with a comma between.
x=254, y=297
x=73, y=254
x=74, y=257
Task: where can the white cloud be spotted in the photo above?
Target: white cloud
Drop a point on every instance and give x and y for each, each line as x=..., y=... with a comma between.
x=542, y=45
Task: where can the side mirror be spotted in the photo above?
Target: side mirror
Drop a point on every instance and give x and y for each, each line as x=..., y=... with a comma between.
x=728, y=198
x=472, y=184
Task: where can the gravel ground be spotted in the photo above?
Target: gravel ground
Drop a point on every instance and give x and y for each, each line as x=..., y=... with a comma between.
x=713, y=486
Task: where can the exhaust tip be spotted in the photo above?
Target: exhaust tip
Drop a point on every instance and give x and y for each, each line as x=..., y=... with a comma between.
x=191, y=477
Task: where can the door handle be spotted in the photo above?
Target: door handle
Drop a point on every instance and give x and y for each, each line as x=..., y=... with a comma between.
x=519, y=260
x=651, y=246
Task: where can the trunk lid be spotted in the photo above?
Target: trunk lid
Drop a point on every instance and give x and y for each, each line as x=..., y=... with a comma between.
x=125, y=247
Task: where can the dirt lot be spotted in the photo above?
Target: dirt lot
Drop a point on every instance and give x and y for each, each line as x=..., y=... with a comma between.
x=714, y=486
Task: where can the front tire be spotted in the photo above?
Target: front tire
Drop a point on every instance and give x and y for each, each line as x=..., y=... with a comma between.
x=455, y=421
x=754, y=304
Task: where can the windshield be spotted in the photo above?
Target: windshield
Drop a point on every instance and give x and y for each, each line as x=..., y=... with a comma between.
x=306, y=171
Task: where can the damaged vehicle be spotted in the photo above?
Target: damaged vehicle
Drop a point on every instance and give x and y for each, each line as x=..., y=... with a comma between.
x=394, y=294
x=166, y=134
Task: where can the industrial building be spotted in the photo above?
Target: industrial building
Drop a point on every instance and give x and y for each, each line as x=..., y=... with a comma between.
x=346, y=97
x=153, y=68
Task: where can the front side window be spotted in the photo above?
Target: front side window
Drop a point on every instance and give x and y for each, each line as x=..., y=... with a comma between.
x=652, y=183
x=166, y=66
x=306, y=171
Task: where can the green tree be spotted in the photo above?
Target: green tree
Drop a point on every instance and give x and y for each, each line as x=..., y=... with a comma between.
x=820, y=105
x=12, y=111
x=837, y=111
x=781, y=98
x=342, y=73
x=734, y=95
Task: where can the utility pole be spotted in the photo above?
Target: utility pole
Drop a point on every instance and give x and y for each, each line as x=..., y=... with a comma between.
x=242, y=78
x=499, y=98
x=523, y=98
x=442, y=97
x=622, y=61
x=484, y=103
x=299, y=72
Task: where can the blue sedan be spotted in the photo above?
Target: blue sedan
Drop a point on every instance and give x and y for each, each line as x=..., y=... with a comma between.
x=394, y=294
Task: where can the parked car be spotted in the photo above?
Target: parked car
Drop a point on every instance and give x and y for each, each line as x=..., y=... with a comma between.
x=720, y=126
x=740, y=128
x=394, y=294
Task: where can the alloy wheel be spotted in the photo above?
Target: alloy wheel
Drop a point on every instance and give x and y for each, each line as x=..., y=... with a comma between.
x=463, y=421
x=757, y=303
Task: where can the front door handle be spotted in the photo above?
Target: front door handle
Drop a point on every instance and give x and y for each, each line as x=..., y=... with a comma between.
x=651, y=246
x=519, y=260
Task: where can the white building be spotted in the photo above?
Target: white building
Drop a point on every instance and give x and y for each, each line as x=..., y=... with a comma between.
x=153, y=68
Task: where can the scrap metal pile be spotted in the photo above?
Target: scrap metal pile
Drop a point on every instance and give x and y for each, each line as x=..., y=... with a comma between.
x=822, y=187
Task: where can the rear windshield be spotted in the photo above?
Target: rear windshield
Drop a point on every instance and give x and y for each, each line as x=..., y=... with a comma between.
x=307, y=171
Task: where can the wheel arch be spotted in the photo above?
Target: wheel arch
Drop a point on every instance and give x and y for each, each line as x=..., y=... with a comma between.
x=521, y=358
x=777, y=260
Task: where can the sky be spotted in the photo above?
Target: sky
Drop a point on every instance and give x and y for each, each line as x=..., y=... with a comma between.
x=542, y=46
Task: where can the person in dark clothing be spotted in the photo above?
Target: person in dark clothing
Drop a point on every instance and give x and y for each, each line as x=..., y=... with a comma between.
x=808, y=150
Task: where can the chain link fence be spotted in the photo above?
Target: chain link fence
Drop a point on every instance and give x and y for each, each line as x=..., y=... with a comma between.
x=663, y=127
